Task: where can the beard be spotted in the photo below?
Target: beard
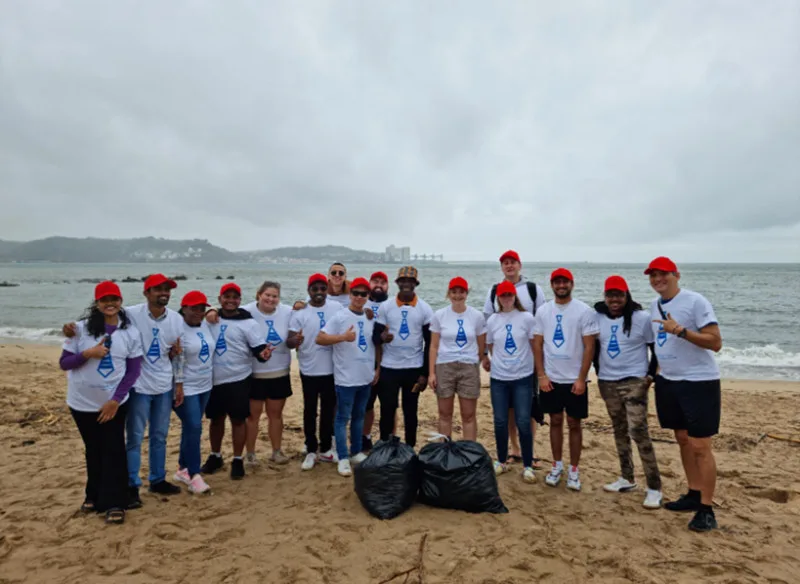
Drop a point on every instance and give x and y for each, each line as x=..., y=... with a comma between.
x=378, y=295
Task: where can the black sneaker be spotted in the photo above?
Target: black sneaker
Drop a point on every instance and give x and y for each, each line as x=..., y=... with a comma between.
x=237, y=469
x=366, y=443
x=703, y=520
x=164, y=488
x=212, y=464
x=684, y=504
x=134, y=501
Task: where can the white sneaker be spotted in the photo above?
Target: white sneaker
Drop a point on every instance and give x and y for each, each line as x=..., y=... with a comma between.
x=653, y=499
x=309, y=462
x=621, y=485
x=329, y=456
x=344, y=468
x=182, y=476
x=528, y=475
x=250, y=459
x=554, y=476
x=358, y=458
x=500, y=468
x=197, y=486
x=573, y=480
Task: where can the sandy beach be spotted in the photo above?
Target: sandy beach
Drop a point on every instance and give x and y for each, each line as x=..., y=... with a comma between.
x=284, y=525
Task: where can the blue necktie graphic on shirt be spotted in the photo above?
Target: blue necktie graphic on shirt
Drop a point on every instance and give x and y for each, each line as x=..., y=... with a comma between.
x=558, y=335
x=205, y=353
x=222, y=346
x=661, y=338
x=613, y=344
x=321, y=316
x=273, y=338
x=154, y=352
x=362, y=340
x=375, y=309
x=106, y=365
x=511, y=346
x=461, y=335
x=403, y=333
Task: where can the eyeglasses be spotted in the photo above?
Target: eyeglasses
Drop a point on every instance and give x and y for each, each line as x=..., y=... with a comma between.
x=322, y=288
x=337, y=272
x=359, y=293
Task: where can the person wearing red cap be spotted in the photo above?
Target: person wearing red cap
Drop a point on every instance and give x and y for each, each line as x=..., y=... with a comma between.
x=238, y=340
x=624, y=377
x=349, y=332
x=403, y=332
x=196, y=360
x=316, y=371
x=509, y=338
x=458, y=340
x=378, y=289
x=688, y=390
x=102, y=359
x=563, y=350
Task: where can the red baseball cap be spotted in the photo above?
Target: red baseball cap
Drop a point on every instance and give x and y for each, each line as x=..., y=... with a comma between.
x=156, y=280
x=314, y=278
x=359, y=283
x=616, y=283
x=107, y=288
x=662, y=264
x=562, y=273
x=378, y=275
x=230, y=286
x=509, y=255
x=458, y=282
x=506, y=287
x=194, y=298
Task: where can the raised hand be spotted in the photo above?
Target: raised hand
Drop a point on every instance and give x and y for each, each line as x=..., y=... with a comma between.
x=69, y=330
x=350, y=335
x=671, y=326
x=97, y=352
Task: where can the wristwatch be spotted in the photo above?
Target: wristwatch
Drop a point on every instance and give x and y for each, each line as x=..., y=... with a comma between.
x=682, y=334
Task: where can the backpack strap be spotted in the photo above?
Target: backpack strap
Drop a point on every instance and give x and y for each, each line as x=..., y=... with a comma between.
x=493, y=296
x=532, y=294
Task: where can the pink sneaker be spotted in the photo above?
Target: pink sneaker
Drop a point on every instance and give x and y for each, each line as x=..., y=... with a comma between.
x=182, y=476
x=198, y=486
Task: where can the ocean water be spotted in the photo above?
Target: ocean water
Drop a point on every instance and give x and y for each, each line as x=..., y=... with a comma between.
x=758, y=306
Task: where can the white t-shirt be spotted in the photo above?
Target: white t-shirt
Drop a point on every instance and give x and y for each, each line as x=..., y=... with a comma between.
x=353, y=362
x=198, y=352
x=678, y=358
x=523, y=295
x=375, y=307
x=458, y=334
x=405, y=322
x=314, y=359
x=274, y=331
x=90, y=385
x=621, y=355
x=233, y=358
x=563, y=327
x=157, y=338
x=510, y=335
x=342, y=299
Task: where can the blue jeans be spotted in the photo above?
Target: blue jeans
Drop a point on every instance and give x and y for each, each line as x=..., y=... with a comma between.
x=155, y=410
x=517, y=394
x=351, y=404
x=191, y=414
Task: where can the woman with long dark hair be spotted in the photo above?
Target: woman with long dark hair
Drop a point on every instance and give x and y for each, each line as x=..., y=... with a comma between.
x=624, y=377
x=103, y=361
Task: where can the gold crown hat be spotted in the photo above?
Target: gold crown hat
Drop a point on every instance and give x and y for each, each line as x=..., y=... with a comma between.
x=408, y=272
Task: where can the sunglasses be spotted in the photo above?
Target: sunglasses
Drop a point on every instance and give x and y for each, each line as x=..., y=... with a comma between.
x=359, y=293
x=321, y=288
x=337, y=272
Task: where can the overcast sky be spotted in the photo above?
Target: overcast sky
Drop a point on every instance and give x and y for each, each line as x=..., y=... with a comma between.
x=606, y=131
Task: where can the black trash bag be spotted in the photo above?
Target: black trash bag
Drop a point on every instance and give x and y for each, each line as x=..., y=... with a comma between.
x=459, y=475
x=387, y=481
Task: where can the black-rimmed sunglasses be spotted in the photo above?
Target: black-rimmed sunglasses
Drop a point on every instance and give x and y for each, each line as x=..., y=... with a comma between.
x=359, y=293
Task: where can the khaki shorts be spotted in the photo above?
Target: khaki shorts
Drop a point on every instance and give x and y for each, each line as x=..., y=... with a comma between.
x=461, y=379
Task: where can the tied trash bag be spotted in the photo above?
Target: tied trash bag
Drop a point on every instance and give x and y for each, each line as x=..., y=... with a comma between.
x=459, y=475
x=387, y=481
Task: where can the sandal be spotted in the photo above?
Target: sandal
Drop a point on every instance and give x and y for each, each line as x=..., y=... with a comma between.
x=87, y=506
x=537, y=464
x=514, y=458
x=115, y=516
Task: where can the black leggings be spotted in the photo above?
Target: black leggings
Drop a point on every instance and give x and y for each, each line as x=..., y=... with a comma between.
x=318, y=388
x=390, y=383
x=106, y=458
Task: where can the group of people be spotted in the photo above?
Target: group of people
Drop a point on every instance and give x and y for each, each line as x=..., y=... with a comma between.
x=355, y=345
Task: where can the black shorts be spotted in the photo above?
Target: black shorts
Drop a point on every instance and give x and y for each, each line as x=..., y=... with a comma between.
x=373, y=394
x=694, y=406
x=536, y=409
x=230, y=399
x=561, y=398
x=274, y=388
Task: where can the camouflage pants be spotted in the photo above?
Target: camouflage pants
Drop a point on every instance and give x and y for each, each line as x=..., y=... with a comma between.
x=626, y=402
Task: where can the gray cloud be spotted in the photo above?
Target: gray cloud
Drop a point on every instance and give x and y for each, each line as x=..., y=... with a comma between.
x=568, y=133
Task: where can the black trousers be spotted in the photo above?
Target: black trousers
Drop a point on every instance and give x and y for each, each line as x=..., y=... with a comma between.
x=318, y=388
x=390, y=384
x=106, y=458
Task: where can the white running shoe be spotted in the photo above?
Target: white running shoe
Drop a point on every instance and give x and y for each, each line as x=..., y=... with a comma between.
x=197, y=486
x=554, y=476
x=621, y=485
x=182, y=476
x=329, y=456
x=528, y=475
x=500, y=468
x=653, y=499
x=309, y=462
x=358, y=458
x=250, y=459
x=344, y=468
x=573, y=480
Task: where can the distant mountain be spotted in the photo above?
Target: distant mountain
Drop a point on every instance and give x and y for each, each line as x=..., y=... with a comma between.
x=323, y=253
x=94, y=250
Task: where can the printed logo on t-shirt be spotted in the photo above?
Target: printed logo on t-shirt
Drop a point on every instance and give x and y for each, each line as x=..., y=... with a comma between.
x=613, y=348
x=204, y=354
x=321, y=316
x=661, y=339
x=362, y=340
x=273, y=338
x=106, y=366
x=510, y=346
x=558, y=335
x=154, y=352
x=222, y=346
x=404, y=332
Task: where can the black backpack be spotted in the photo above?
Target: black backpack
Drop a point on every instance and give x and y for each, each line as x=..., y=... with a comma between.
x=531, y=292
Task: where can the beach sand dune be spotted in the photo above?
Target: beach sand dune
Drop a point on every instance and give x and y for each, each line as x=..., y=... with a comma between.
x=285, y=525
